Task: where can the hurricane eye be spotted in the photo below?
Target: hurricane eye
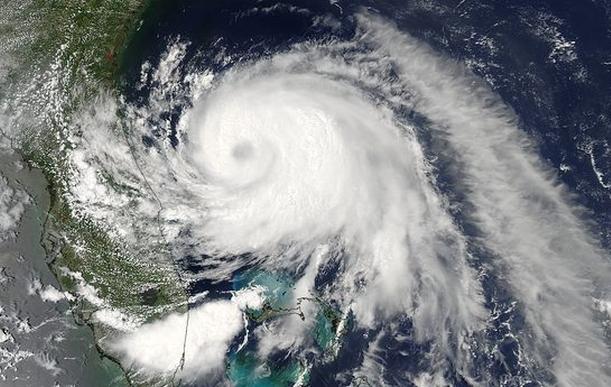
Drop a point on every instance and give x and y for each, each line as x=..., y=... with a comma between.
x=243, y=151
x=305, y=192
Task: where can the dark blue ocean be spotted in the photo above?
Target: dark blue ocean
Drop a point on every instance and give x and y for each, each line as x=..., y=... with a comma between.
x=550, y=61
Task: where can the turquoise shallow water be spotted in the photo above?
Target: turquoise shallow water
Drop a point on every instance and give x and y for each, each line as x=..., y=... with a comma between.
x=564, y=112
x=246, y=370
x=278, y=287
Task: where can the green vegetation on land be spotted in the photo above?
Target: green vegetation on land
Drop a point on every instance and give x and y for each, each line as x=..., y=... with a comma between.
x=66, y=52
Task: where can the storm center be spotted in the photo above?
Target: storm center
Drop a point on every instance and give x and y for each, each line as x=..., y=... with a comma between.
x=242, y=151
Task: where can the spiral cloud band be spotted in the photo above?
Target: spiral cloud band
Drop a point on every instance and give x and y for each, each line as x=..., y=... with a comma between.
x=296, y=159
x=300, y=159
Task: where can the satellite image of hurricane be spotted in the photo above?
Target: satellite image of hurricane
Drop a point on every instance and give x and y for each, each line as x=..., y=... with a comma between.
x=277, y=193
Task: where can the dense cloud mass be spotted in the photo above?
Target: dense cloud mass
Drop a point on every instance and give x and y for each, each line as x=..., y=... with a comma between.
x=292, y=160
x=159, y=347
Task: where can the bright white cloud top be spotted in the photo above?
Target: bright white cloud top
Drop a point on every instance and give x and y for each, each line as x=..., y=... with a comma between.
x=158, y=348
x=304, y=149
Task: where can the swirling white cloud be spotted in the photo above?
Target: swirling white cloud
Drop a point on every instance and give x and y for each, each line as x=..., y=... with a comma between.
x=304, y=149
